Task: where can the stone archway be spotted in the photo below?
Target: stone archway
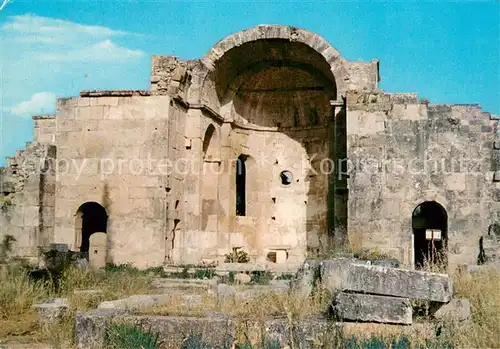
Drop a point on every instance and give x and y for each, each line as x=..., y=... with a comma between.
x=428, y=220
x=274, y=85
x=335, y=63
x=90, y=218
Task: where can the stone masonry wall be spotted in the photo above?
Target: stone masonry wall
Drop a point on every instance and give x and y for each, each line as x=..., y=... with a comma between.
x=279, y=217
x=114, y=150
x=171, y=76
x=402, y=153
x=45, y=128
x=28, y=187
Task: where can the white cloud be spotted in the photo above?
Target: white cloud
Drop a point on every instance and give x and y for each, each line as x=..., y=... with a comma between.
x=57, y=40
x=30, y=26
x=39, y=103
x=103, y=51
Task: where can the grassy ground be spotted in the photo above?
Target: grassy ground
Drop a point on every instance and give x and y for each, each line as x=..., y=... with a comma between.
x=18, y=293
x=18, y=322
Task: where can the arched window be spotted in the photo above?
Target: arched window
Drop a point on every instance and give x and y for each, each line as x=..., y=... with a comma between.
x=241, y=186
x=209, y=143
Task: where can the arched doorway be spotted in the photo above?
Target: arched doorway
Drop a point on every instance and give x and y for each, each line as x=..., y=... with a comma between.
x=430, y=234
x=90, y=218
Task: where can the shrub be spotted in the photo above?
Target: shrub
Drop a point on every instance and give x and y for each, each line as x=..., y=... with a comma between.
x=205, y=273
x=5, y=201
x=6, y=247
x=237, y=256
x=123, y=336
x=261, y=277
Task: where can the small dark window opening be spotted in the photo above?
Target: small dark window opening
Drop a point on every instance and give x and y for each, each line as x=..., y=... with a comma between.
x=271, y=256
x=241, y=186
x=296, y=118
x=314, y=116
x=286, y=177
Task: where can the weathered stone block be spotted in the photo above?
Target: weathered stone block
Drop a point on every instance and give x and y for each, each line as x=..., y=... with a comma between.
x=455, y=310
x=90, y=328
x=345, y=275
x=225, y=291
x=303, y=284
x=370, y=308
x=138, y=302
x=51, y=311
x=215, y=330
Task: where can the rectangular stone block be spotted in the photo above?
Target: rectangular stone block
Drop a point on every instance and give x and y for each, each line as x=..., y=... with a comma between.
x=346, y=275
x=369, y=308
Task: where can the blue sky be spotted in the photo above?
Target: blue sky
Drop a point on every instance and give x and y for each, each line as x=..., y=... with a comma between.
x=448, y=52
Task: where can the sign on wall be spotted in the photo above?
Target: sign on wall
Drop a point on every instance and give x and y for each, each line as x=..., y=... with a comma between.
x=433, y=234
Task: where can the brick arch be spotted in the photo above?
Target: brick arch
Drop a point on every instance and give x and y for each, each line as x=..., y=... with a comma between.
x=207, y=64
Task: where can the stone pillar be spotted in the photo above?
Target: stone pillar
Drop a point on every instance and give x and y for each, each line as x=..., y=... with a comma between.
x=98, y=250
x=226, y=181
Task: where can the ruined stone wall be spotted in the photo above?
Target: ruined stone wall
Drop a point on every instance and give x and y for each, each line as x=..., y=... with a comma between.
x=171, y=76
x=402, y=153
x=114, y=150
x=27, y=192
x=45, y=128
x=363, y=76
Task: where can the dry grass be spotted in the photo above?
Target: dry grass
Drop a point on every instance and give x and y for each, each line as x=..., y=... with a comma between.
x=251, y=313
x=18, y=322
x=18, y=293
x=352, y=249
x=483, y=291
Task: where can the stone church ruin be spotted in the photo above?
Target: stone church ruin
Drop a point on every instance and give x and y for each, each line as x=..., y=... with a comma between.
x=273, y=144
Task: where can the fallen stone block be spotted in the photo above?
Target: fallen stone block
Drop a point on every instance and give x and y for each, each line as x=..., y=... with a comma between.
x=242, y=278
x=141, y=302
x=304, y=282
x=345, y=276
x=309, y=332
x=91, y=327
x=217, y=330
x=455, y=310
x=170, y=283
x=225, y=292
x=370, y=308
x=50, y=311
x=388, y=263
x=191, y=299
x=239, y=267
